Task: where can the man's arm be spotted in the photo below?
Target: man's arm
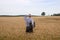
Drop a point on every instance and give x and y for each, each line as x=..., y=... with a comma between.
x=32, y=22
x=25, y=17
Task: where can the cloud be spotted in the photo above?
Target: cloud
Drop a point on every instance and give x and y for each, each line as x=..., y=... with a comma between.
x=21, y=2
x=33, y=6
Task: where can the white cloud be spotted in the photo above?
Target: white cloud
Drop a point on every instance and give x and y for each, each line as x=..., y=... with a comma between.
x=33, y=6
x=22, y=2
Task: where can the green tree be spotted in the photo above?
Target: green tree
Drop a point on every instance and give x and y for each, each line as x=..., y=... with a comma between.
x=43, y=13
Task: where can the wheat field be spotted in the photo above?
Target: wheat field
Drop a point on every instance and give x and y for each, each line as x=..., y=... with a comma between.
x=13, y=28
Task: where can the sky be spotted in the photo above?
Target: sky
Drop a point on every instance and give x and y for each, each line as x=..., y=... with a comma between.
x=34, y=7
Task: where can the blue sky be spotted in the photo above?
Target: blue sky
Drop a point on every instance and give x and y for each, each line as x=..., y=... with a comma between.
x=35, y=7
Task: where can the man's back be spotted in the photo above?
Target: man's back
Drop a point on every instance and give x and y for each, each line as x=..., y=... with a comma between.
x=28, y=20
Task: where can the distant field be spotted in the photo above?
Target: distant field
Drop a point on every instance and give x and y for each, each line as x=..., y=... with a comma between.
x=13, y=28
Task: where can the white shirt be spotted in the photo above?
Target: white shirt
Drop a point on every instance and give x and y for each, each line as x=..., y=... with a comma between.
x=28, y=20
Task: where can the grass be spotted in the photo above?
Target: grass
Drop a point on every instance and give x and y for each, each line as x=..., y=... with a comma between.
x=13, y=28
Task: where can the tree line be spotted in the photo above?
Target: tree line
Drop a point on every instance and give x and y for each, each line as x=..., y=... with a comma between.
x=43, y=14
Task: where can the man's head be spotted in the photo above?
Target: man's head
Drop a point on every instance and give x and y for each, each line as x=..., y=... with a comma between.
x=29, y=15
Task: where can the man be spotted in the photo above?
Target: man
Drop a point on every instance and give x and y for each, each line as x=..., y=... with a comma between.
x=29, y=23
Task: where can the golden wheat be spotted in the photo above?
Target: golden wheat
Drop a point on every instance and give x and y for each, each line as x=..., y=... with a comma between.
x=13, y=28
